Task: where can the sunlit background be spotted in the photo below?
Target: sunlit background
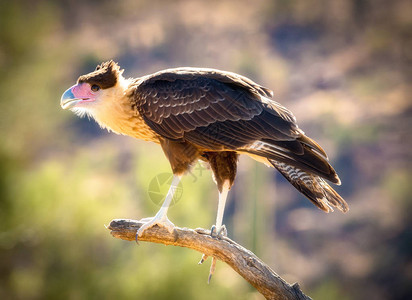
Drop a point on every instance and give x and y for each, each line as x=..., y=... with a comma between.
x=341, y=66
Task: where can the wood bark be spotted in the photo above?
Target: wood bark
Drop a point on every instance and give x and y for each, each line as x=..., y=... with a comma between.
x=243, y=261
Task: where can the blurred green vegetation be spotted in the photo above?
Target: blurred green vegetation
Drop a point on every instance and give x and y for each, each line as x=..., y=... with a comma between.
x=340, y=66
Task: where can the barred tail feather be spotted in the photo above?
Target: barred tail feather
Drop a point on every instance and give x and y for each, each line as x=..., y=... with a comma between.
x=302, y=153
x=312, y=186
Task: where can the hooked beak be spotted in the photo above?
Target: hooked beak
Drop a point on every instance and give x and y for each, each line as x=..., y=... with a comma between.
x=68, y=99
x=77, y=94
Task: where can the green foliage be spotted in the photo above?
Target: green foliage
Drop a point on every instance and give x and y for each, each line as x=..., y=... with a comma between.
x=329, y=290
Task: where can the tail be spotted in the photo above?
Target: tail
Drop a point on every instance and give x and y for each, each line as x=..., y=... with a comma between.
x=312, y=186
x=305, y=165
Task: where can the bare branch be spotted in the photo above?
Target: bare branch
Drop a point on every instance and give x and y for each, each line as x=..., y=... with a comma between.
x=243, y=261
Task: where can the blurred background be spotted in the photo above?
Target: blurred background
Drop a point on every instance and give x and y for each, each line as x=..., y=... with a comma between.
x=341, y=66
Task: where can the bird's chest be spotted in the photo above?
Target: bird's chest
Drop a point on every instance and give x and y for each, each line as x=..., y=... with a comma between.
x=122, y=119
x=135, y=127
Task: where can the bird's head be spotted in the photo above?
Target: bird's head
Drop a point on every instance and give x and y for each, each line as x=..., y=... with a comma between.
x=96, y=90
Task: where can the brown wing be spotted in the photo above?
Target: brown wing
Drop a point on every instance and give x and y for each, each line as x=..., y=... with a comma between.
x=179, y=101
x=225, y=111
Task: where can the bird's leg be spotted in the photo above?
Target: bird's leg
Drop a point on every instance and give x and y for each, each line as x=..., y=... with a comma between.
x=219, y=230
x=161, y=219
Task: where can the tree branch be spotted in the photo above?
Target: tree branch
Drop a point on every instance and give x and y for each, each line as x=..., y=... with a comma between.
x=243, y=261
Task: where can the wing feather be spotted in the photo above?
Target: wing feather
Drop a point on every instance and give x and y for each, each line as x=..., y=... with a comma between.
x=178, y=103
x=220, y=110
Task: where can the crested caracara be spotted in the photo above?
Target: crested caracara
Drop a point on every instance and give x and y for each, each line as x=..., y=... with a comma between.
x=206, y=114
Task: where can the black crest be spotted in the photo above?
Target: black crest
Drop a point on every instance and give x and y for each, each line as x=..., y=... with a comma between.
x=105, y=75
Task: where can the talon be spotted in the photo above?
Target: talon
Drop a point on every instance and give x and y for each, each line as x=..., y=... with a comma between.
x=204, y=257
x=213, y=231
x=222, y=232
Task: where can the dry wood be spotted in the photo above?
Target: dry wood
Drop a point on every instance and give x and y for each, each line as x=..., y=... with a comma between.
x=243, y=261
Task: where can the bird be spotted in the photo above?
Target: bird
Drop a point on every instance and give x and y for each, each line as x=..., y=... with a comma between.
x=209, y=115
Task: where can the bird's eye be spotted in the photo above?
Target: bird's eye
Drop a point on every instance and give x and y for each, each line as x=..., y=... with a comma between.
x=95, y=87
